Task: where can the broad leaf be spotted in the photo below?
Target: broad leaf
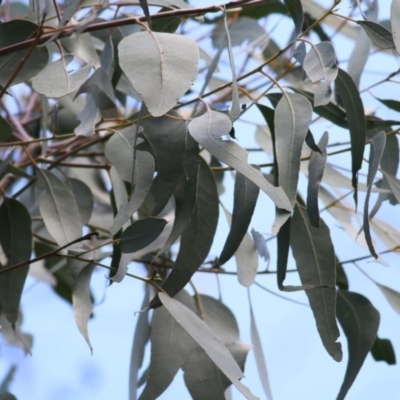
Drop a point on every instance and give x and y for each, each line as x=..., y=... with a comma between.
x=382, y=350
x=160, y=66
x=82, y=302
x=58, y=207
x=207, y=340
x=292, y=115
x=350, y=98
x=141, y=233
x=376, y=151
x=360, y=322
x=16, y=243
x=208, y=130
x=316, y=168
x=315, y=260
x=321, y=67
x=378, y=34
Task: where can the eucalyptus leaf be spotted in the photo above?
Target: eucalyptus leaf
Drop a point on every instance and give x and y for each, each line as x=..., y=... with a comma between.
x=395, y=22
x=382, y=350
x=88, y=118
x=378, y=34
x=84, y=199
x=6, y=130
x=296, y=12
x=392, y=296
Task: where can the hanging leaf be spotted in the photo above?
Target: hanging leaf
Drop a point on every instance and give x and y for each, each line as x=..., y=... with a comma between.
x=84, y=199
x=360, y=322
x=207, y=131
x=208, y=341
x=283, y=247
x=316, y=168
x=394, y=184
x=244, y=203
x=382, y=350
x=202, y=378
x=348, y=92
x=315, y=260
x=395, y=23
x=197, y=238
x=300, y=54
x=6, y=129
x=292, y=115
x=376, y=151
x=378, y=34
x=296, y=12
x=160, y=66
x=16, y=242
x=82, y=302
x=392, y=296
x=310, y=142
x=58, y=207
x=141, y=233
x=146, y=12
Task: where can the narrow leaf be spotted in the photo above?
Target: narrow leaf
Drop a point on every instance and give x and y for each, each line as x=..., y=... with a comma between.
x=310, y=142
x=283, y=247
x=378, y=34
x=382, y=350
x=395, y=22
x=360, y=322
x=392, y=296
x=6, y=130
x=208, y=130
x=316, y=168
x=351, y=100
x=82, y=302
x=141, y=233
x=292, y=116
x=84, y=199
x=315, y=260
x=88, y=118
x=145, y=8
x=208, y=340
x=296, y=12
x=394, y=184
x=58, y=207
x=160, y=66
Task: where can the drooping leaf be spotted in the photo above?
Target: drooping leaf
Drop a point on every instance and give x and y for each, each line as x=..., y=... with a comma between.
x=146, y=12
x=378, y=34
x=171, y=345
x=208, y=341
x=310, y=142
x=352, y=103
x=300, y=54
x=292, y=116
x=160, y=66
x=197, y=238
x=376, y=151
x=16, y=31
x=244, y=203
x=360, y=321
x=382, y=350
x=56, y=81
x=394, y=184
x=16, y=243
x=58, y=207
x=315, y=260
x=321, y=67
x=296, y=12
x=316, y=168
x=141, y=233
x=207, y=131
x=202, y=378
x=84, y=199
x=395, y=22
x=120, y=274
x=6, y=130
x=283, y=247
x=82, y=302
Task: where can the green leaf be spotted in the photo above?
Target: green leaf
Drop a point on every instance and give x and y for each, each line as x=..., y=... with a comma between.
x=6, y=129
x=58, y=207
x=296, y=12
x=244, y=203
x=208, y=130
x=202, y=378
x=171, y=345
x=376, y=151
x=316, y=168
x=56, y=81
x=13, y=32
x=84, y=199
x=141, y=233
x=160, y=66
x=7, y=396
x=16, y=243
x=315, y=260
x=360, y=322
x=207, y=340
x=378, y=34
x=197, y=238
x=351, y=100
x=292, y=115
x=392, y=104
x=82, y=302
x=395, y=23
x=321, y=67
x=382, y=350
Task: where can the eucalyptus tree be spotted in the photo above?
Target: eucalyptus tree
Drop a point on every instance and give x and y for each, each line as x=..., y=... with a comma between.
x=118, y=133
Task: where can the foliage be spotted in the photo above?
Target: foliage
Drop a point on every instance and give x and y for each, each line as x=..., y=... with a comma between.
x=118, y=139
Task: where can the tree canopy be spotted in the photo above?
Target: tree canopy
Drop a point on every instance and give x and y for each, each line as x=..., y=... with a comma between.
x=126, y=125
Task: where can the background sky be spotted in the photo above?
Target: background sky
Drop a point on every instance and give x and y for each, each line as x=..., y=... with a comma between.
x=61, y=366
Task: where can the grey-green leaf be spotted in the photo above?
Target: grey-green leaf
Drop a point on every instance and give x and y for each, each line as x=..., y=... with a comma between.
x=208, y=130
x=392, y=296
x=395, y=20
x=378, y=34
x=16, y=243
x=296, y=12
x=315, y=260
x=321, y=67
x=84, y=199
x=58, y=207
x=375, y=155
x=160, y=66
x=292, y=115
x=141, y=233
x=394, y=184
x=82, y=302
x=208, y=340
x=360, y=322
